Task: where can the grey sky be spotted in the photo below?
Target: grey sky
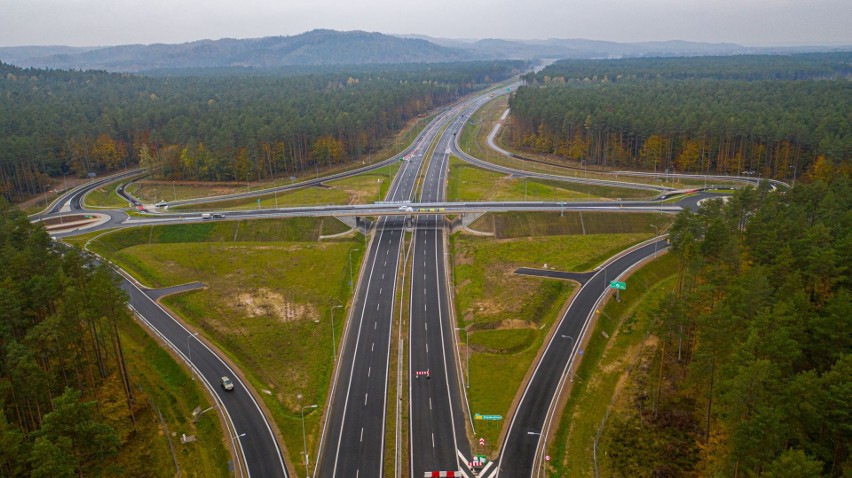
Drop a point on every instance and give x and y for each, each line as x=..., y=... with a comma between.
x=112, y=22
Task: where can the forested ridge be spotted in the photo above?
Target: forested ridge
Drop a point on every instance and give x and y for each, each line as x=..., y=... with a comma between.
x=68, y=406
x=213, y=128
x=769, y=115
x=751, y=372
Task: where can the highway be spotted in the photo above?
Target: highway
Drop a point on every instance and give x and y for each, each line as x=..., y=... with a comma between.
x=436, y=406
x=354, y=432
x=353, y=439
x=523, y=446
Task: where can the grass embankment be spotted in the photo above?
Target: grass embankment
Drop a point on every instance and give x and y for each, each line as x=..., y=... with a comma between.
x=609, y=358
x=361, y=189
x=171, y=395
x=509, y=315
x=271, y=287
x=106, y=196
x=522, y=224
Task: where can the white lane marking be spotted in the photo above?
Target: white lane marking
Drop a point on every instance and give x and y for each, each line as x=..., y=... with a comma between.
x=362, y=434
x=383, y=276
x=433, y=439
x=386, y=263
x=486, y=468
x=424, y=276
x=372, y=346
x=380, y=290
x=493, y=473
x=365, y=399
x=430, y=403
x=357, y=472
x=425, y=326
x=375, y=324
x=377, y=306
x=369, y=371
x=427, y=347
x=462, y=457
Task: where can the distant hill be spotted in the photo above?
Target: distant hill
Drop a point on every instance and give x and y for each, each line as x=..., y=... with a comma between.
x=317, y=47
x=329, y=47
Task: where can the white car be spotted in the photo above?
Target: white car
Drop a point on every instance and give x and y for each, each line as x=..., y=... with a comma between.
x=406, y=208
x=161, y=204
x=226, y=383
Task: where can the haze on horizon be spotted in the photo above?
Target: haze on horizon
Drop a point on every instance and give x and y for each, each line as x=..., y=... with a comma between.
x=116, y=22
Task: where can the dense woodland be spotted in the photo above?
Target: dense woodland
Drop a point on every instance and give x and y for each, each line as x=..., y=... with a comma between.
x=213, y=128
x=752, y=372
x=67, y=402
x=768, y=115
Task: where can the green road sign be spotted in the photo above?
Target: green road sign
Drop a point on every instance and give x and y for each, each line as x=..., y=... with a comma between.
x=482, y=458
x=618, y=285
x=479, y=416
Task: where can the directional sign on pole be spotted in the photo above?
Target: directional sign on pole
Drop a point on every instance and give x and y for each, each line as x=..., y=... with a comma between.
x=618, y=285
x=479, y=416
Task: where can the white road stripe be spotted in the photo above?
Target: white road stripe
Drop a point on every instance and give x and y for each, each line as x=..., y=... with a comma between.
x=486, y=468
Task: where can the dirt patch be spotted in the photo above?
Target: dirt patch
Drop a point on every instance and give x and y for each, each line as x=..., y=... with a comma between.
x=503, y=324
x=266, y=303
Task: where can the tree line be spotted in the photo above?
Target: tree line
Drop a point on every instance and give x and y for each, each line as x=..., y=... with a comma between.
x=750, y=375
x=213, y=128
x=767, y=115
x=67, y=400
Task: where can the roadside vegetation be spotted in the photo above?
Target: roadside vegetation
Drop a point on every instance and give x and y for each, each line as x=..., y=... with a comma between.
x=508, y=316
x=85, y=391
x=270, y=289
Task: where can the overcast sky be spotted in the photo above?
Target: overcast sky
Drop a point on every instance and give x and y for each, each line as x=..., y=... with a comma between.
x=113, y=22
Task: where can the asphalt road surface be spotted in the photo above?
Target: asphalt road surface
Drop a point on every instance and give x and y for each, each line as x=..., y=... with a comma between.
x=354, y=436
x=438, y=441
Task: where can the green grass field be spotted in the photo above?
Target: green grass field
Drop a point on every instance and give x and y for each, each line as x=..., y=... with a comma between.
x=614, y=345
x=469, y=183
x=267, y=304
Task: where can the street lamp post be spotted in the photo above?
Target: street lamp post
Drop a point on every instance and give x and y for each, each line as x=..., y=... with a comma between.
x=570, y=375
x=305, y=441
x=333, y=345
x=656, y=233
x=350, y=265
x=174, y=189
x=466, y=354
x=188, y=349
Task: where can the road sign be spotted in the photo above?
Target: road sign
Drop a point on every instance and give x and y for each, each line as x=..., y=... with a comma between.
x=482, y=442
x=482, y=459
x=618, y=285
x=479, y=416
